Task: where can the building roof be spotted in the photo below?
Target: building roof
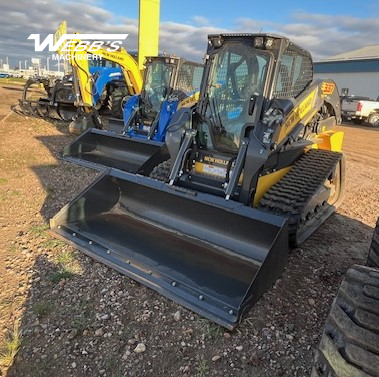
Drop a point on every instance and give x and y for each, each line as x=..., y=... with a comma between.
x=367, y=52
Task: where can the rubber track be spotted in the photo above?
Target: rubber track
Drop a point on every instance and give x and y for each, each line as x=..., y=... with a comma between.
x=373, y=254
x=290, y=195
x=349, y=345
x=162, y=171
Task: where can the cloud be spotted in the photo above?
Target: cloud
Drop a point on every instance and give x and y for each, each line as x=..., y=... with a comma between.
x=323, y=35
x=200, y=20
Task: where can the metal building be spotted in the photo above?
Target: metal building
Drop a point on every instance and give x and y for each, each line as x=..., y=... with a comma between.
x=355, y=72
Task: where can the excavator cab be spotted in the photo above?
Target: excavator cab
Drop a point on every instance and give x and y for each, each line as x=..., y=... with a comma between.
x=254, y=166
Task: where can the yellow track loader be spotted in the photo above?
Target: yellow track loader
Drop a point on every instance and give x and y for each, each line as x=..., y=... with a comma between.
x=253, y=168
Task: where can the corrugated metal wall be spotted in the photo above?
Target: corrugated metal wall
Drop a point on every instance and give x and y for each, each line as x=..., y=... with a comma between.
x=358, y=83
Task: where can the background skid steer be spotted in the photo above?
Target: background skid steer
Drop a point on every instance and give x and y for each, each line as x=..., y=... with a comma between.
x=169, y=83
x=255, y=166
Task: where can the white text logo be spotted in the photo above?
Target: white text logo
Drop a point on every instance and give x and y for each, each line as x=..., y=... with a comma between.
x=71, y=42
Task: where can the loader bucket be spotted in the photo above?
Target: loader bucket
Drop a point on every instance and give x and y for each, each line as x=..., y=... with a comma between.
x=213, y=256
x=99, y=149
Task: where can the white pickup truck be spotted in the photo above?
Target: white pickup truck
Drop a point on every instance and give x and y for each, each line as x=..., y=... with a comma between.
x=360, y=110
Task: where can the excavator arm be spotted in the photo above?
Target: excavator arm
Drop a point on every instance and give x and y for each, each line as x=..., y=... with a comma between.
x=83, y=81
x=129, y=68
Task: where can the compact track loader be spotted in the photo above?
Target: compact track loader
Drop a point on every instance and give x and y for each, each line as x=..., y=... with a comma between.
x=169, y=83
x=254, y=167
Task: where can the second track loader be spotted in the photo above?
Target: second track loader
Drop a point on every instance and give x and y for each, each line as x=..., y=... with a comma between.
x=169, y=83
x=255, y=167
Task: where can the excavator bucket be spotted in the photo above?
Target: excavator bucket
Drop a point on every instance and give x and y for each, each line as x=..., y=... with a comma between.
x=99, y=149
x=213, y=256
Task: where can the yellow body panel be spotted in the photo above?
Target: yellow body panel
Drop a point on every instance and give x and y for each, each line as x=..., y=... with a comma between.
x=330, y=140
x=304, y=109
x=148, y=32
x=266, y=181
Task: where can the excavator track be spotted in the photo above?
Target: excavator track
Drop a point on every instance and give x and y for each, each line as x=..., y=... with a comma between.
x=305, y=195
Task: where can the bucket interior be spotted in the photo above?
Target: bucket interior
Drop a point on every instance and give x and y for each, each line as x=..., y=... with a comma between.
x=101, y=149
x=205, y=250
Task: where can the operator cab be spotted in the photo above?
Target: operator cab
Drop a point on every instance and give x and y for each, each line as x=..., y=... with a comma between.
x=168, y=81
x=244, y=77
x=236, y=81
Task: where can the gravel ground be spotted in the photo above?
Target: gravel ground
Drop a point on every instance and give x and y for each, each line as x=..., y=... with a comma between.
x=72, y=316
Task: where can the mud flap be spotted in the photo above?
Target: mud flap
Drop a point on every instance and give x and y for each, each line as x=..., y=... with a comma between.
x=213, y=256
x=99, y=149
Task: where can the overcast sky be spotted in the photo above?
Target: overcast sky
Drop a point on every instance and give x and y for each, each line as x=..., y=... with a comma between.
x=325, y=27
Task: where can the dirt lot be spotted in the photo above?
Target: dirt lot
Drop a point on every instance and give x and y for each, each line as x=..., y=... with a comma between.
x=71, y=316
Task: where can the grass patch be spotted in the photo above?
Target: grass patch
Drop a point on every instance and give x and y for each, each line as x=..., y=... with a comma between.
x=68, y=266
x=65, y=258
x=52, y=243
x=12, y=80
x=127, y=332
x=56, y=277
x=210, y=329
x=9, y=349
x=6, y=302
x=113, y=366
x=9, y=194
x=202, y=367
x=86, y=317
x=3, y=181
x=81, y=322
x=13, y=248
x=49, y=190
x=39, y=230
x=50, y=166
x=42, y=308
